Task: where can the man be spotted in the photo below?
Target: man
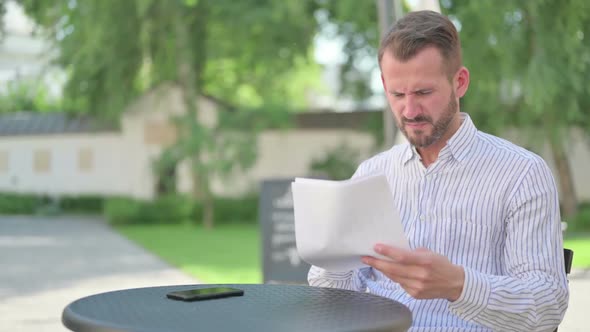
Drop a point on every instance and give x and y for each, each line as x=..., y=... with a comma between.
x=481, y=214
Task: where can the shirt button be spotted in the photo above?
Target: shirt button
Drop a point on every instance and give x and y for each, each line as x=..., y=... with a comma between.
x=422, y=217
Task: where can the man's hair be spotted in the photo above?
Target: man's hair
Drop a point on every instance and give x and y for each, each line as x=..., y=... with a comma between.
x=419, y=30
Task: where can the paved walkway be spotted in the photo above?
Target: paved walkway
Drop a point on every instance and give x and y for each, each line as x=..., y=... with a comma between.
x=576, y=317
x=46, y=263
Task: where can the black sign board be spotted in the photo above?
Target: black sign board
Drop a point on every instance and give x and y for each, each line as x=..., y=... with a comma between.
x=280, y=260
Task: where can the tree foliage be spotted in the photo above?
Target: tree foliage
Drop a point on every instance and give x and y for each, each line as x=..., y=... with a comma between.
x=121, y=48
x=529, y=63
x=243, y=54
x=529, y=60
x=355, y=23
x=338, y=163
x=531, y=57
x=28, y=96
x=530, y=69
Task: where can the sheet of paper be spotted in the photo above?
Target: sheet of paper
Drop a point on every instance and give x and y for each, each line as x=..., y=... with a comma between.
x=337, y=222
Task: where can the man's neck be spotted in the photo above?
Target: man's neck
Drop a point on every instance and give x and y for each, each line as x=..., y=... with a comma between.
x=429, y=155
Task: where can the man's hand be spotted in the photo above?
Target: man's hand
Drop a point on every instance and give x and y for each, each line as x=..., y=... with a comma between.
x=422, y=273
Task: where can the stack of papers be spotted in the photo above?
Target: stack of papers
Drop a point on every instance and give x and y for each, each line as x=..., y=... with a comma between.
x=338, y=222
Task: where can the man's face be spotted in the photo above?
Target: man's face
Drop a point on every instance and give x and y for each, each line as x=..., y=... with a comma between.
x=422, y=98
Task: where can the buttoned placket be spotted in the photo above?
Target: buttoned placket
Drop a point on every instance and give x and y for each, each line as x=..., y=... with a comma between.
x=420, y=230
x=427, y=184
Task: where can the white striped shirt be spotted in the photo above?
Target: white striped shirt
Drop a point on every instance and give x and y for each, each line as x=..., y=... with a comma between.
x=489, y=206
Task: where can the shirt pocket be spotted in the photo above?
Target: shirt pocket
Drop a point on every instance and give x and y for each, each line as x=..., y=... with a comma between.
x=463, y=242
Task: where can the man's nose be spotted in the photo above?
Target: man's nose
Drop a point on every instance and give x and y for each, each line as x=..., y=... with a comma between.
x=411, y=107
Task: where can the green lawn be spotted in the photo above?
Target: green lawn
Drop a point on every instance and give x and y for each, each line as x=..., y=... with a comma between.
x=226, y=254
x=231, y=253
x=580, y=244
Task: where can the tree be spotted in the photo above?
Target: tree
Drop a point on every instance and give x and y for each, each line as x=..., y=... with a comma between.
x=530, y=65
x=232, y=51
x=529, y=60
x=355, y=23
x=28, y=96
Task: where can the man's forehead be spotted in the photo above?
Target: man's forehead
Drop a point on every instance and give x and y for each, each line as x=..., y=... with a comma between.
x=429, y=54
x=426, y=67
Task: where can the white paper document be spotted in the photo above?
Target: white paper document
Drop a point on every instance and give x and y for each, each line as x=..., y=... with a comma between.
x=338, y=222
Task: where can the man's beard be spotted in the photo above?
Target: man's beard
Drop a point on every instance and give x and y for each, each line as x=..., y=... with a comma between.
x=439, y=128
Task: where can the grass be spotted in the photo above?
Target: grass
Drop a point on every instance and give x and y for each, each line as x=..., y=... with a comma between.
x=580, y=244
x=226, y=254
x=232, y=253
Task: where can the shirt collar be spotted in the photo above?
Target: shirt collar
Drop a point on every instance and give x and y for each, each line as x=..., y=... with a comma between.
x=459, y=144
x=409, y=153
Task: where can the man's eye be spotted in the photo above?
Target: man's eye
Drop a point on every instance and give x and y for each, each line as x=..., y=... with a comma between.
x=397, y=94
x=423, y=92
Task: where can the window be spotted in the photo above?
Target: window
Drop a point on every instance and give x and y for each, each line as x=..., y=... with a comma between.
x=3, y=161
x=42, y=161
x=85, y=159
x=161, y=133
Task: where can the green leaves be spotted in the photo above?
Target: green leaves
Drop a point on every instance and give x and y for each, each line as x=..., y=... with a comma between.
x=355, y=24
x=248, y=54
x=536, y=57
x=191, y=3
x=530, y=70
x=22, y=96
x=93, y=39
x=115, y=50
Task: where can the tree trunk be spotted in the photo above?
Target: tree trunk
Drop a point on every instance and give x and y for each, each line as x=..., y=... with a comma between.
x=388, y=11
x=569, y=201
x=191, y=61
x=202, y=193
x=208, y=209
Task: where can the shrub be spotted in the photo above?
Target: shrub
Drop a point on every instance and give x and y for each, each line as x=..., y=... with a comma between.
x=336, y=164
x=122, y=210
x=11, y=203
x=172, y=208
x=165, y=209
x=236, y=210
x=17, y=203
x=180, y=208
x=82, y=204
x=581, y=221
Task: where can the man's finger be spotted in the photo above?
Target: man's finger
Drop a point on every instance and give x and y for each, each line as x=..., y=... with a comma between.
x=393, y=270
x=396, y=254
x=403, y=256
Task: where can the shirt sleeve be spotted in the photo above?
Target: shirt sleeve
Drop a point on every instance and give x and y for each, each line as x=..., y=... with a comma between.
x=533, y=293
x=350, y=280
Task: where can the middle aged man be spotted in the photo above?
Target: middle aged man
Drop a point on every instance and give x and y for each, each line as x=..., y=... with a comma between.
x=481, y=214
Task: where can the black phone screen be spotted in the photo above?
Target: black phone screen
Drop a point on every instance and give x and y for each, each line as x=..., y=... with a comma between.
x=198, y=294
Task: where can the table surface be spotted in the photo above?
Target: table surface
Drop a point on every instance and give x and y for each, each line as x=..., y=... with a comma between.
x=261, y=308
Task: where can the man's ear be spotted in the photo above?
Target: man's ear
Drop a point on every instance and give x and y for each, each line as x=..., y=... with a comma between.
x=461, y=82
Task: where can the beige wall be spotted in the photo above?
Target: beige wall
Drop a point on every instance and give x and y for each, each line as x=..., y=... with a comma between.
x=121, y=163
x=289, y=153
x=282, y=153
x=50, y=164
x=147, y=130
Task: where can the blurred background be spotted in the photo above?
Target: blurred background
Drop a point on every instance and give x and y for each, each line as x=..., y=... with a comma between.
x=177, y=125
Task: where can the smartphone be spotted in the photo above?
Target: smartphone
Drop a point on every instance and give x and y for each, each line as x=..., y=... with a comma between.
x=199, y=294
